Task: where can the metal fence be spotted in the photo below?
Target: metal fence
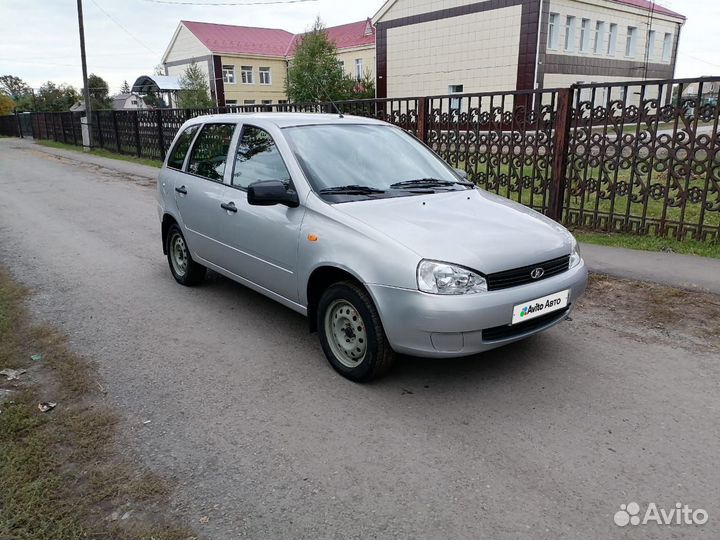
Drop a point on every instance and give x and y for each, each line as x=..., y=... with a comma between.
x=631, y=157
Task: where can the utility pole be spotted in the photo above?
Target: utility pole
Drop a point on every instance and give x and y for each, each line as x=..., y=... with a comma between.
x=86, y=90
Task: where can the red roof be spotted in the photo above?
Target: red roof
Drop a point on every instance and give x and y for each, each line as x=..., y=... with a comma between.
x=225, y=38
x=650, y=6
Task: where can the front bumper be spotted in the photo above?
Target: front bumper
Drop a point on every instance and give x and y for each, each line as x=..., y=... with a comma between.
x=440, y=326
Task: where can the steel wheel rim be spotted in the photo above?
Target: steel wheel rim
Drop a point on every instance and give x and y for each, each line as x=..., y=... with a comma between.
x=178, y=255
x=346, y=333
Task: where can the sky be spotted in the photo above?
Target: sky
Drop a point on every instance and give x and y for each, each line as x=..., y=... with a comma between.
x=127, y=38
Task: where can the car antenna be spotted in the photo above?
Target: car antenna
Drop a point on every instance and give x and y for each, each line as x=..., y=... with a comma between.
x=332, y=102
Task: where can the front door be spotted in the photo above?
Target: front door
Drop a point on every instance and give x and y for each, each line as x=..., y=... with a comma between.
x=263, y=239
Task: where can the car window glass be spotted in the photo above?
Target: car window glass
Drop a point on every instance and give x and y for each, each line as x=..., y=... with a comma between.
x=180, y=150
x=257, y=159
x=209, y=153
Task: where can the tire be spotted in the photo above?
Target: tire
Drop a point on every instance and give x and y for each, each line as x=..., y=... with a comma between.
x=185, y=271
x=351, y=333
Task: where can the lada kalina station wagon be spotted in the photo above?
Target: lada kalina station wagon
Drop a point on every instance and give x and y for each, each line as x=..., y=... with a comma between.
x=359, y=226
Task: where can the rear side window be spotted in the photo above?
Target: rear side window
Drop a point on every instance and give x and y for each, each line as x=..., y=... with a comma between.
x=180, y=150
x=209, y=153
x=257, y=159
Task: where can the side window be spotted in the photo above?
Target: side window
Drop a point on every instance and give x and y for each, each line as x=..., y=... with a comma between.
x=257, y=159
x=209, y=153
x=180, y=150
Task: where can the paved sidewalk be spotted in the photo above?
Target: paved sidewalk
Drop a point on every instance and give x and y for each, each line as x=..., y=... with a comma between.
x=684, y=271
x=117, y=165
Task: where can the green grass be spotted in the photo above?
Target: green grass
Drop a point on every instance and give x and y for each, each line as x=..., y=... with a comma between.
x=63, y=472
x=102, y=153
x=650, y=243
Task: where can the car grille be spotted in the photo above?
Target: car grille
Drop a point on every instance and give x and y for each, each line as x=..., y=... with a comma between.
x=508, y=331
x=521, y=276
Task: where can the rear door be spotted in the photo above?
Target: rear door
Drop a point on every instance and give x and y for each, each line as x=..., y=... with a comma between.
x=199, y=190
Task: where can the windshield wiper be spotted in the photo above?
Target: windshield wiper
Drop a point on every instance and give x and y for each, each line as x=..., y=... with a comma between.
x=352, y=189
x=429, y=183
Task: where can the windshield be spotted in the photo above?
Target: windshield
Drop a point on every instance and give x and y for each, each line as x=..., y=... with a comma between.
x=359, y=160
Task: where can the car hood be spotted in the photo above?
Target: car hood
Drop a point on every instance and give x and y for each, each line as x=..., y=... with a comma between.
x=472, y=228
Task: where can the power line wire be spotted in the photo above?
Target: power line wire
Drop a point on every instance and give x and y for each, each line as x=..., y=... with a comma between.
x=121, y=26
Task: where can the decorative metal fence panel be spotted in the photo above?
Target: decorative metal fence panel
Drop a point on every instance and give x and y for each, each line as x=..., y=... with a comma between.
x=644, y=159
x=633, y=157
x=504, y=141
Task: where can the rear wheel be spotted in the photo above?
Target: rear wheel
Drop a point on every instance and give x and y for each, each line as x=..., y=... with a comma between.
x=183, y=268
x=351, y=333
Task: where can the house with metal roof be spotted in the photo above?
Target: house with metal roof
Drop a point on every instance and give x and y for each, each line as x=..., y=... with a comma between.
x=248, y=65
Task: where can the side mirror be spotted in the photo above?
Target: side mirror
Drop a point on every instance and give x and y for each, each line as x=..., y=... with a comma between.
x=270, y=193
x=461, y=173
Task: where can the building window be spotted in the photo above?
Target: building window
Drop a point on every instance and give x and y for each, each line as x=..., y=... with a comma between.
x=570, y=33
x=231, y=102
x=246, y=74
x=650, y=45
x=667, y=47
x=267, y=102
x=249, y=102
x=455, y=102
x=630, y=41
x=265, y=75
x=282, y=101
x=553, y=31
x=599, y=37
x=612, y=40
x=585, y=36
x=358, y=68
x=228, y=74
x=341, y=66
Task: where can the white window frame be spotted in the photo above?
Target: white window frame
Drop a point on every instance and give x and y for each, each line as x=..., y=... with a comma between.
x=585, y=35
x=231, y=102
x=599, y=37
x=228, y=69
x=570, y=26
x=631, y=42
x=667, y=47
x=266, y=102
x=358, y=68
x=262, y=71
x=612, y=40
x=553, y=31
x=246, y=75
x=248, y=102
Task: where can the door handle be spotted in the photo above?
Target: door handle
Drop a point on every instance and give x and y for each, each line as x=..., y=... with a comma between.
x=230, y=207
x=181, y=190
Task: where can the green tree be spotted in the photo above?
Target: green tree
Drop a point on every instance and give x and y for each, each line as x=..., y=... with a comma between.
x=99, y=93
x=125, y=88
x=51, y=97
x=365, y=87
x=314, y=74
x=7, y=104
x=194, y=93
x=14, y=87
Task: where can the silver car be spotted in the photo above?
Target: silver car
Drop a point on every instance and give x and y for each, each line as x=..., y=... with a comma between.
x=359, y=226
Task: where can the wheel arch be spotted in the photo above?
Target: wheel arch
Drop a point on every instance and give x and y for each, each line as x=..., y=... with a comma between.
x=320, y=279
x=167, y=221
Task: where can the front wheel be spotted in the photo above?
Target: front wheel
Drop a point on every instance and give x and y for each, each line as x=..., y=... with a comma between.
x=184, y=269
x=351, y=333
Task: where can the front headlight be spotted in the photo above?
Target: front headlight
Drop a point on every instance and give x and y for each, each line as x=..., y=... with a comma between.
x=575, y=254
x=443, y=278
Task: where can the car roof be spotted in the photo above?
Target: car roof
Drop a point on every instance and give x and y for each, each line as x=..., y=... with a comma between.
x=282, y=120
